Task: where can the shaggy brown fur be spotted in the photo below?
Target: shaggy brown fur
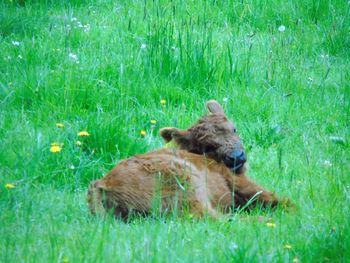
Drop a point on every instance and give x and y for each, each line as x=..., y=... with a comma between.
x=197, y=176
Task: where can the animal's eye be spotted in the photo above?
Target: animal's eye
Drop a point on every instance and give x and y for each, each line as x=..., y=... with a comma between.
x=234, y=130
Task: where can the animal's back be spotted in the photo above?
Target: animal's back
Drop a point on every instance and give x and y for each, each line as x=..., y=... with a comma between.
x=166, y=177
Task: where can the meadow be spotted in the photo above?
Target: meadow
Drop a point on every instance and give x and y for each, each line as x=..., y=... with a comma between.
x=108, y=68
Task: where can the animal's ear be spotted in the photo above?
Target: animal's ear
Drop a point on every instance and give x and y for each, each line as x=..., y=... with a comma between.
x=215, y=108
x=181, y=137
x=166, y=133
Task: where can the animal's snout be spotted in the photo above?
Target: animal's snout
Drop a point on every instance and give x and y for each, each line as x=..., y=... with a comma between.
x=237, y=157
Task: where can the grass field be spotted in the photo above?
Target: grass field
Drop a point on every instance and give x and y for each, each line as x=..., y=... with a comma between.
x=281, y=69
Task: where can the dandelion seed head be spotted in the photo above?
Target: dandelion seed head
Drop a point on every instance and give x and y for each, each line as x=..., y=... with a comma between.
x=281, y=28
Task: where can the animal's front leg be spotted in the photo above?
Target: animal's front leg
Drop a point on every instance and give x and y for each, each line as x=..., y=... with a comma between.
x=247, y=193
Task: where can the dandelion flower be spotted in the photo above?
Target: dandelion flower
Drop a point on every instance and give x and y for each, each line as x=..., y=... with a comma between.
x=143, y=133
x=153, y=122
x=281, y=28
x=273, y=225
x=10, y=186
x=83, y=134
x=287, y=246
x=163, y=102
x=59, y=125
x=55, y=149
x=78, y=143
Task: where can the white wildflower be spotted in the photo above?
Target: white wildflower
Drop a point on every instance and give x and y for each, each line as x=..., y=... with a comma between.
x=281, y=28
x=74, y=57
x=337, y=139
x=74, y=19
x=233, y=246
x=19, y=56
x=16, y=43
x=225, y=99
x=327, y=163
x=143, y=46
x=87, y=28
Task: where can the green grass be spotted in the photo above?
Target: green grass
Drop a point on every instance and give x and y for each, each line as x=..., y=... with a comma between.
x=288, y=93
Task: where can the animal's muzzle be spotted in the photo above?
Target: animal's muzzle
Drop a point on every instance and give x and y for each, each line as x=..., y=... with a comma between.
x=237, y=157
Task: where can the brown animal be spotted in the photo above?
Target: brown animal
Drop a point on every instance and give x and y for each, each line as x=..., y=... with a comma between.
x=204, y=174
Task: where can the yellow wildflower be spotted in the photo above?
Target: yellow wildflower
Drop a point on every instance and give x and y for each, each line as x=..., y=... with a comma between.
x=287, y=246
x=10, y=186
x=143, y=133
x=83, y=133
x=65, y=260
x=56, y=144
x=78, y=143
x=163, y=102
x=59, y=125
x=271, y=224
x=153, y=122
x=55, y=149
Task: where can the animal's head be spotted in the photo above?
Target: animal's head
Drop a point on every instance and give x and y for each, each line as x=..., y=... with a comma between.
x=213, y=135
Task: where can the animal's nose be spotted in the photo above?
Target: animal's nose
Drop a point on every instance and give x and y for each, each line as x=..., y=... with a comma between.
x=238, y=156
